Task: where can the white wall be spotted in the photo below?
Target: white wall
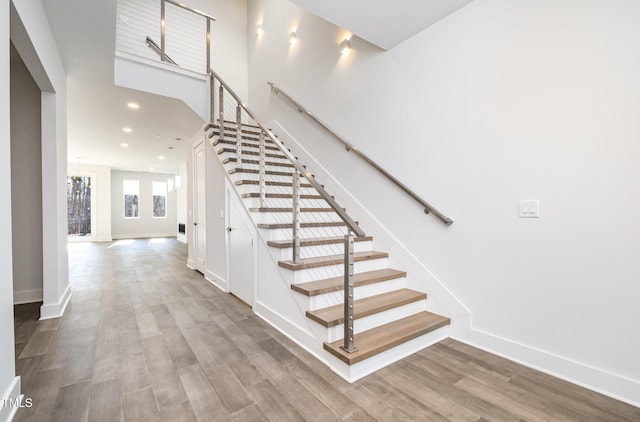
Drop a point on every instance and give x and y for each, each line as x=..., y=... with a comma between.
x=146, y=225
x=26, y=184
x=499, y=102
x=100, y=200
x=9, y=384
x=32, y=37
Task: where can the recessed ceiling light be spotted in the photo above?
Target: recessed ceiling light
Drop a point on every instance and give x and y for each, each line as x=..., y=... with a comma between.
x=160, y=157
x=133, y=106
x=127, y=130
x=151, y=169
x=124, y=145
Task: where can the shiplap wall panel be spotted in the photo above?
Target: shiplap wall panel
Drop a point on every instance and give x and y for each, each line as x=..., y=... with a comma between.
x=185, y=32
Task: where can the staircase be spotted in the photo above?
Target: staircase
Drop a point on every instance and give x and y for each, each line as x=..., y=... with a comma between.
x=390, y=320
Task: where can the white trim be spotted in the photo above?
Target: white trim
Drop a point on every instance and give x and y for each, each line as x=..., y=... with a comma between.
x=27, y=296
x=12, y=392
x=191, y=264
x=595, y=379
x=160, y=65
x=56, y=310
x=143, y=236
x=216, y=280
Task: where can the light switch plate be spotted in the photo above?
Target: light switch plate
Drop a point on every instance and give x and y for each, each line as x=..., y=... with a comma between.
x=529, y=208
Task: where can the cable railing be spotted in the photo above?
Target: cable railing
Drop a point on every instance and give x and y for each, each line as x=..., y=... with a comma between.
x=428, y=208
x=185, y=34
x=233, y=118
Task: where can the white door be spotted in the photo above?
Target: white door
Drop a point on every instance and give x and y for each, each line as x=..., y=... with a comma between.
x=242, y=273
x=199, y=232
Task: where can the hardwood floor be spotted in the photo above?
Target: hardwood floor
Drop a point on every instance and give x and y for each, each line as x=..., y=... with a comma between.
x=146, y=339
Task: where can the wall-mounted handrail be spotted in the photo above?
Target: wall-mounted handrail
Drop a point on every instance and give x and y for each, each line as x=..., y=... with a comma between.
x=350, y=223
x=428, y=208
x=155, y=47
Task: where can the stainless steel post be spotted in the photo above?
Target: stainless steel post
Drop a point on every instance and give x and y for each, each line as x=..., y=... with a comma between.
x=296, y=216
x=212, y=99
x=208, y=44
x=262, y=182
x=348, y=345
x=162, y=31
x=221, y=110
x=239, y=135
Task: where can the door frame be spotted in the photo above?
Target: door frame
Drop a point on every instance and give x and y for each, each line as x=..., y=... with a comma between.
x=231, y=195
x=195, y=217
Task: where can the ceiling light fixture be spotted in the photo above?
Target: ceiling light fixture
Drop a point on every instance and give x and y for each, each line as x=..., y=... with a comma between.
x=293, y=38
x=345, y=47
x=133, y=106
x=127, y=130
x=259, y=29
x=160, y=157
x=124, y=145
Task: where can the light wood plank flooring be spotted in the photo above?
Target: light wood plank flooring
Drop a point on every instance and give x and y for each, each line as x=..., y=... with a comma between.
x=146, y=339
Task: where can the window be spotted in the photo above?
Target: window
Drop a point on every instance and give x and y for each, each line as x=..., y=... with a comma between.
x=131, y=189
x=159, y=190
x=79, y=206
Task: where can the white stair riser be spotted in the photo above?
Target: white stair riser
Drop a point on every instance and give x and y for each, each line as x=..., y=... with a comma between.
x=285, y=202
x=245, y=188
x=286, y=217
x=307, y=232
x=368, y=366
x=320, y=250
x=334, y=298
x=321, y=273
x=376, y=320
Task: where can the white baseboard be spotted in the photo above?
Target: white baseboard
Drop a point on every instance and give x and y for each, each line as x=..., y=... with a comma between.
x=11, y=393
x=56, y=310
x=191, y=264
x=27, y=296
x=595, y=379
x=216, y=280
x=142, y=236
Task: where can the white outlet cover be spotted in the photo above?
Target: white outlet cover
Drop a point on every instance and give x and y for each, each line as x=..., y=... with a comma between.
x=529, y=208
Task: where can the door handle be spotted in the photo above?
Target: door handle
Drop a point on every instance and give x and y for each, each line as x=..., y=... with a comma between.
x=195, y=224
x=229, y=229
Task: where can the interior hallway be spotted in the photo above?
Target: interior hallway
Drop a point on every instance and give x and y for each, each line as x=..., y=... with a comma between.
x=145, y=338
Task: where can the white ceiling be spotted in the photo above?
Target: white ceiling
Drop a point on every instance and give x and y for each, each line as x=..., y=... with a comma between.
x=383, y=23
x=97, y=109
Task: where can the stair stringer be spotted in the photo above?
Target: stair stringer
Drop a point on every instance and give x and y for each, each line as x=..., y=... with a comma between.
x=441, y=300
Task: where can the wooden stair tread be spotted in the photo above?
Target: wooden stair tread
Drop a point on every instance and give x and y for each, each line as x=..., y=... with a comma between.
x=312, y=209
x=334, y=284
x=233, y=151
x=252, y=171
x=267, y=163
x=385, y=337
x=323, y=261
x=283, y=244
x=334, y=315
x=271, y=183
x=272, y=226
x=279, y=195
